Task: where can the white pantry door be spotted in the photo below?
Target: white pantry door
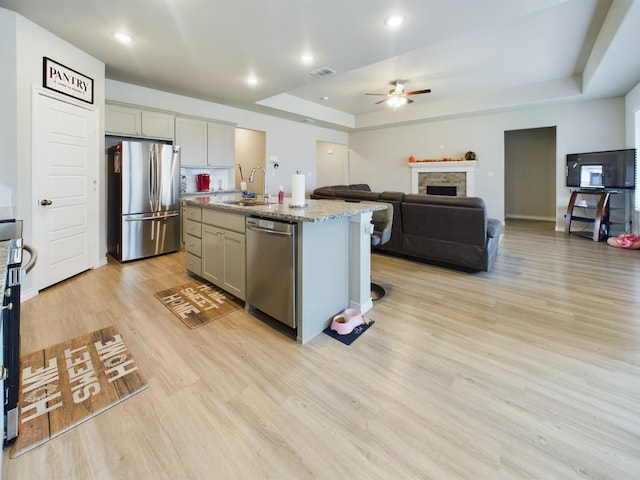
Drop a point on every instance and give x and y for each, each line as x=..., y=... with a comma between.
x=65, y=158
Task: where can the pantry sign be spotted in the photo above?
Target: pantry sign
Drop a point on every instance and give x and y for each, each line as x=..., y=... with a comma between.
x=66, y=80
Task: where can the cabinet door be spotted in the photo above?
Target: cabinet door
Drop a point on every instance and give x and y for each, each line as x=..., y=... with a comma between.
x=212, y=254
x=157, y=124
x=222, y=145
x=233, y=265
x=191, y=137
x=122, y=120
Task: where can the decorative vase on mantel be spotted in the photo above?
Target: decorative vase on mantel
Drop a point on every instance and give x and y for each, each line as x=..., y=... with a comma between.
x=470, y=155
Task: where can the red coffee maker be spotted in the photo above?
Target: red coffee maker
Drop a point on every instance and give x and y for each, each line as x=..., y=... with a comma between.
x=204, y=182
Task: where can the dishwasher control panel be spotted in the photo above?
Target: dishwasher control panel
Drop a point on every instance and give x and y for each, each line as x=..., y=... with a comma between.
x=269, y=224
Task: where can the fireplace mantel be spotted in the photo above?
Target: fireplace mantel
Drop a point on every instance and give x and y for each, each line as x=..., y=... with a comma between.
x=465, y=166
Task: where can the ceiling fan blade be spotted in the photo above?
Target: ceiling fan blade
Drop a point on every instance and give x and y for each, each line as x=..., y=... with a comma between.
x=419, y=92
x=409, y=101
x=381, y=101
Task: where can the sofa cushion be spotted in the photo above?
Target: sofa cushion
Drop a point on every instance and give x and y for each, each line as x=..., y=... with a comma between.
x=446, y=200
x=359, y=195
x=359, y=186
x=454, y=219
x=392, y=196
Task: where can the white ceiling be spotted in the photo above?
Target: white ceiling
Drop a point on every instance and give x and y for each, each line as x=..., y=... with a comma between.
x=474, y=55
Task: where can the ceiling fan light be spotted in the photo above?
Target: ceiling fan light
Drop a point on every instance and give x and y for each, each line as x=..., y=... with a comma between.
x=395, y=101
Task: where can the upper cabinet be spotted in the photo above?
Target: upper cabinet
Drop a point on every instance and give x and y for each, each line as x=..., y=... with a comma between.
x=221, y=147
x=205, y=143
x=137, y=122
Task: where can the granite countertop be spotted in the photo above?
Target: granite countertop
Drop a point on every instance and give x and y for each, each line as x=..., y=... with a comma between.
x=315, y=211
x=4, y=256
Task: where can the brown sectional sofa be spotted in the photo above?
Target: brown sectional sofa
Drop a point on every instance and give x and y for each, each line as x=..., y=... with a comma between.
x=452, y=231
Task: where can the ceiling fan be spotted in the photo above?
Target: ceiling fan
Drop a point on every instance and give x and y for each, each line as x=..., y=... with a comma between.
x=397, y=96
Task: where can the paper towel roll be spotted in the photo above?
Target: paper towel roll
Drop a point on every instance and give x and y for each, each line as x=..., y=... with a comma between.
x=297, y=190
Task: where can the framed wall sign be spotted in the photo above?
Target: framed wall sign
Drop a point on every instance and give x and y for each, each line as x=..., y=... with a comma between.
x=67, y=81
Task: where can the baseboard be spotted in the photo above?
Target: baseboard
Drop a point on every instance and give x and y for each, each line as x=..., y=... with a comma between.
x=27, y=293
x=529, y=217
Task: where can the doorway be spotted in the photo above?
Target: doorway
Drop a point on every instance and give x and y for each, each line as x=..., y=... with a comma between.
x=332, y=164
x=530, y=174
x=65, y=153
x=251, y=151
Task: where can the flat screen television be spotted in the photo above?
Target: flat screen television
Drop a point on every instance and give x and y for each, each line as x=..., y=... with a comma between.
x=610, y=169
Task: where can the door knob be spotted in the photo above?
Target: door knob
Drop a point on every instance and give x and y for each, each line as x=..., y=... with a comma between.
x=4, y=373
x=45, y=202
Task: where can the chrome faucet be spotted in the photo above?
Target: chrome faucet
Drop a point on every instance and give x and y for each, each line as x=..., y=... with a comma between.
x=266, y=183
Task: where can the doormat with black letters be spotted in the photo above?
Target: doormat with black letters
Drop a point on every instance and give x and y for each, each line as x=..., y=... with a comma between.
x=198, y=303
x=69, y=383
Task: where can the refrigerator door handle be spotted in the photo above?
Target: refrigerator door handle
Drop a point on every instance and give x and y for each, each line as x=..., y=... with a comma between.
x=151, y=182
x=159, y=179
x=156, y=178
x=150, y=217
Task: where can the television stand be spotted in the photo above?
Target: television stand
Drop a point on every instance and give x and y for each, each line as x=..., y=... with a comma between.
x=594, y=207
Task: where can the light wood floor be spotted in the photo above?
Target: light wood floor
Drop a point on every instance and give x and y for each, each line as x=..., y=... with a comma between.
x=530, y=371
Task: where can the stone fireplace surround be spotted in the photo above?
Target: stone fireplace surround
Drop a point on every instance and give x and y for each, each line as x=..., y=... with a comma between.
x=457, y=173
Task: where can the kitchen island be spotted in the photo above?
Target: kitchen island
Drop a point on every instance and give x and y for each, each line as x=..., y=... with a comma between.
x=332, y=251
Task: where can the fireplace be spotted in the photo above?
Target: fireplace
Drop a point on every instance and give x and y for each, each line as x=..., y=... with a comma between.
x=447, y=190
x=458, y=175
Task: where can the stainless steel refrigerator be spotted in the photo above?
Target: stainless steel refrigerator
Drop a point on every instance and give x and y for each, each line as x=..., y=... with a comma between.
x=143, y=211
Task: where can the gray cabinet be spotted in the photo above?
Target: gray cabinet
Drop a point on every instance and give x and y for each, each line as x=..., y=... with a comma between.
x=205, y=143
x=192, y=238
x=215, y=248
x=137, y=122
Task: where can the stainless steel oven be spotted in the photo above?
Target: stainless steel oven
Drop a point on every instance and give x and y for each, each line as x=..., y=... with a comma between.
x=11, y=239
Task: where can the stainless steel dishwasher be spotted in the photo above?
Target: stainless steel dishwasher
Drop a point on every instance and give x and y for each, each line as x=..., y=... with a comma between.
x=271, y=268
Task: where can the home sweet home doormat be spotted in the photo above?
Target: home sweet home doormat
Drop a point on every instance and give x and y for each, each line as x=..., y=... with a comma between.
x=69, y=383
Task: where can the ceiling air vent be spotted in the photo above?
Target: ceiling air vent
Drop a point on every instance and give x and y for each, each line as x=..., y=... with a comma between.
x=322, y=72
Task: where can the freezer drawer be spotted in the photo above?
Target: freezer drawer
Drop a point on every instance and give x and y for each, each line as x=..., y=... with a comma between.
x=145, y=236
x=271, y=268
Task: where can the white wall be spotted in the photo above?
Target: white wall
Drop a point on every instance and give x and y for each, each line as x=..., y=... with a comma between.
x=8, y=102
x=632, y=121
x=294, y=143
x=631, y=106
x=379, y=157
x=29, y=43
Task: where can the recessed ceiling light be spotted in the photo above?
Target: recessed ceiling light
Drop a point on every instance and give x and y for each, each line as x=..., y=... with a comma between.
x=252, y=80
x=325, y=98
x=394, y=21
x=123, y=37
x=306, y=58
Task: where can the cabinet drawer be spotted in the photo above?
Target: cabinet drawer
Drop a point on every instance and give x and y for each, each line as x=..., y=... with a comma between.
x=193, y=245
x=230, y=221
x=193, y=263
x=193, y=213
x=193, y=228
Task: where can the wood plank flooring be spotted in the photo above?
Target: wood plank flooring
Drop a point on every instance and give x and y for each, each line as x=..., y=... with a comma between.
x=530, y=371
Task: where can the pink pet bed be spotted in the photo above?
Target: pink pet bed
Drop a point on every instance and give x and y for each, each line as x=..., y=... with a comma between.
x=625, y=240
